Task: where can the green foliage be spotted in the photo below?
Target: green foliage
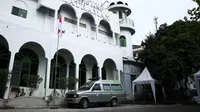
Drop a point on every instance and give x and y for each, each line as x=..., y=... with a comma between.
x=195, y=12
x=173, y=53
x=32, y=82
x=3, y=80
x=68, y=83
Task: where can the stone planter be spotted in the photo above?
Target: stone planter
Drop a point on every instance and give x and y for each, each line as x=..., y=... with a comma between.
x=27, y=102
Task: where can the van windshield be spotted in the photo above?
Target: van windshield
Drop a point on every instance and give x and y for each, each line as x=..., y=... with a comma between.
x=87, y=86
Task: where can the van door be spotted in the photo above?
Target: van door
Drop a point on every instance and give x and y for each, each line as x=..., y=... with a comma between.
x=106, y=94
x=96, y=92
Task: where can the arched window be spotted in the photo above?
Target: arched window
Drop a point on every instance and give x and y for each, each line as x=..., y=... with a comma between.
x=20, y=9
x=26, y=63
x=120, y=2
x=61, y=72
x=122, y=41
x=112, y=4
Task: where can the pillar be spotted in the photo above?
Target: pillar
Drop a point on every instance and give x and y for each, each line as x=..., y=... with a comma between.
x=77, y=74
x=114, y=39
x=78, y=22
x=12, y=58
x=119, y=75
x=48, y=71
x=68, y=69
x=55, y=20
x=97, y=31
x=100, y=72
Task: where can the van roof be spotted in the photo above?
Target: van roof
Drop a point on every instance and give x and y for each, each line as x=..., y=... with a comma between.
x=109, y=81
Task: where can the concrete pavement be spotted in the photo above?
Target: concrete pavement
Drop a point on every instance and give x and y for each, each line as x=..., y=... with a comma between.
x=121, y=108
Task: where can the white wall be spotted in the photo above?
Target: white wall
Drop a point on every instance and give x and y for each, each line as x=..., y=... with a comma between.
x=39, y=27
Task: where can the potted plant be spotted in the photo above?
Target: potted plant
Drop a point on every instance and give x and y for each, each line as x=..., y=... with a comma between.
x=32, y=82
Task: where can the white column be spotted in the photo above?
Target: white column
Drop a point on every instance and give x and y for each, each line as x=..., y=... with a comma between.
x=68, y=70
x=119, y=75
x=48, y=76
x=78, y=26
x=100, y=72
x=12, y=58
x=97, y=31
x=55, y=20
x=77, y=74
x=114, y=39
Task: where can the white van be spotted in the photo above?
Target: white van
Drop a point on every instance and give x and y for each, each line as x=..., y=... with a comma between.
x=97, y=91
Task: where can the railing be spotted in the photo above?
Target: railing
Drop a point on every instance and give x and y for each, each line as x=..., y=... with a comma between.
x=127, y=21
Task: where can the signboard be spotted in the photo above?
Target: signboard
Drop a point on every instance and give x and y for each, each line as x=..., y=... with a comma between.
x=91, y=6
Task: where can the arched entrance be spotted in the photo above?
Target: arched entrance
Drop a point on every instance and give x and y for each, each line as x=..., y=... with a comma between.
x=87, y=69
x=28, y=61
x=65, y=67
x=61, y=71
x=4, y=53
x=4, y=62
x=109, y=71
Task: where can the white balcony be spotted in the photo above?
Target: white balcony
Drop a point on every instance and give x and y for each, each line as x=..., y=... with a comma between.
x=127, y=23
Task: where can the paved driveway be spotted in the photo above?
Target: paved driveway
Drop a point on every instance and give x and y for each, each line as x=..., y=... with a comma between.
x=121, y=108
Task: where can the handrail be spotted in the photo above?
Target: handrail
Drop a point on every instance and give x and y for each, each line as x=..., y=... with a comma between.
x=127, y=21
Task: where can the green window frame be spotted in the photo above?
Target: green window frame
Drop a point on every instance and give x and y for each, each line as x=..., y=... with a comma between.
x=122, y=41
x=61, y=73
x=19, y=12
x=26, y=62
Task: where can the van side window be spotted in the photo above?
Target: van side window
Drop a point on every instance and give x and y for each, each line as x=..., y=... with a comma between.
x=116, y=87
x=106, y=87
x=97, y=87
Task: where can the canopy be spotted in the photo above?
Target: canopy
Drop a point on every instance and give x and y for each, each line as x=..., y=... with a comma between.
x=145, y=78
x=197, y=83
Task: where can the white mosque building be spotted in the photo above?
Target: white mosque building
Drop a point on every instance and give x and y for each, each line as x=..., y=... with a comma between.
x=97, y=37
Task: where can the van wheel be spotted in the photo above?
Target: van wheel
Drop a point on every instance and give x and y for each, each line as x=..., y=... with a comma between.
x=84, y=103
x=113, y=102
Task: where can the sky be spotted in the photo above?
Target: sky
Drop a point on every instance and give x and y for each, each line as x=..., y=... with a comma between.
x=167, y=11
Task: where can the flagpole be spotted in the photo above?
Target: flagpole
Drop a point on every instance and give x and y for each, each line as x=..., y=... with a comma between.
x=56, y=65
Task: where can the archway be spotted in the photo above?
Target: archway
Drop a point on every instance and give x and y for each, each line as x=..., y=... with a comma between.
x=87, y=69
x=65, y=59
x=87, y=25
x=30, y=60
x=4, y=62
x=105, y=32
x=69, y=17
x=109, y=70
x=4, y=53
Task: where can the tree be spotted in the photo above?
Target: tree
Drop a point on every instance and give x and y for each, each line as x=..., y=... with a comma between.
x=195, y=12
x=67, y=83
x=173, y=53
x=32, y=82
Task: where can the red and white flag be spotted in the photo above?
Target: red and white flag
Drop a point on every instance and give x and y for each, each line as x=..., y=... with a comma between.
x=60, y=26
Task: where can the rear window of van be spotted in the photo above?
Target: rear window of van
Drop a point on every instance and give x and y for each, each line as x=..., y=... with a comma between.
x=116, y=87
